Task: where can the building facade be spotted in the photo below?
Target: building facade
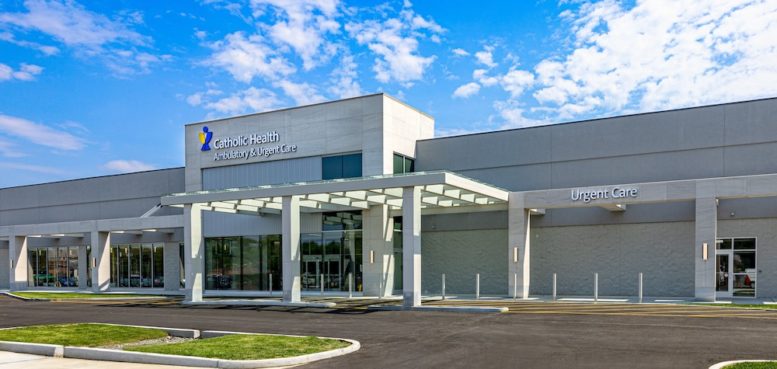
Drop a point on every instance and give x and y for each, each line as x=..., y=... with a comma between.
x=356, y=196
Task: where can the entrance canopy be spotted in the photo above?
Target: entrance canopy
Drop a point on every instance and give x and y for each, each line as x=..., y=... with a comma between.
x=438, y=190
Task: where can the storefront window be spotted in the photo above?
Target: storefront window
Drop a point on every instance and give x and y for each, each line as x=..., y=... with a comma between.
x=54, y=267
x=243, y=263
x=138, y=266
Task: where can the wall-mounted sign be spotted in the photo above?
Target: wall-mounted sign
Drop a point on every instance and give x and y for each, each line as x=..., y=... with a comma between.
x=244, y=146
x=587, y=195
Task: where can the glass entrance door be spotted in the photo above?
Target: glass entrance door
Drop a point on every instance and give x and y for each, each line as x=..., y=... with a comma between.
x=735, y=267
x=723, y=280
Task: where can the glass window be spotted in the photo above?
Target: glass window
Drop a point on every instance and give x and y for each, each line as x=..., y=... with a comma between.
x=159, y=265
x=332, y=167
x=123, y=275
x=341, y=166
x=724, y=244
x=72, y=267
x=182, y=265
x=744, y=244
x=352, y=166
x=251, y=267
x=403, y=164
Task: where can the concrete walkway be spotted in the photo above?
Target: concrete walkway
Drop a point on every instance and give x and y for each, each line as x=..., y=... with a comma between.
x=12, y=360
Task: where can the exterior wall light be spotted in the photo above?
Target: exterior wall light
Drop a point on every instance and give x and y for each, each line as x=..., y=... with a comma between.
x=94, y=262
x=515, y=254
x=372, y=256
x=704, y=248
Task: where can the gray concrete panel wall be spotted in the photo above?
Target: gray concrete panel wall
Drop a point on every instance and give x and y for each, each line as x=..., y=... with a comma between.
x=461, y=255
x=765, y=230
x=705, y=142
x=222, y=224
x=258, y=174
x=662, y=251
x=109, y=197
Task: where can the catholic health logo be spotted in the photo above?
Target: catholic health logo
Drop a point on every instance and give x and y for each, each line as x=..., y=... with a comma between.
x=205, y=137
x=244, y=146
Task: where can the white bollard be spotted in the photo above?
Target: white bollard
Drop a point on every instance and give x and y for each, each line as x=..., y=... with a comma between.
x=554, y=286
x=515, y=286
x=322, y=285
x=270, y=284
x=477, y=286
x=640, y=287
x=443, y=286
x=350, y=286
x=596, y=287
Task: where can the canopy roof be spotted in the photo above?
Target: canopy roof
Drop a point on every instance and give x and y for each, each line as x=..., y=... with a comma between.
x=438, y=190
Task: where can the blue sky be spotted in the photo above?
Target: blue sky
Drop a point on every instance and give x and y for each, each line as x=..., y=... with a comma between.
x=99, y=87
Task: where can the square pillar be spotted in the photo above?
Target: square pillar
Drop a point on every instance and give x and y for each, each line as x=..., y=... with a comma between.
x=101, y=261
x=18, y=278
x=172, y=256
x=706, y=229
x=518, y=247
x=411, y=246
x=194, y=252
x=378, y=251
x=290, y=248
x=83, y=263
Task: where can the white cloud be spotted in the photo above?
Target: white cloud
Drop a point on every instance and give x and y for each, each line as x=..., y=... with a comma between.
x=516, y=81
x=26, y=72
x=345, y=79
x=485, y=80
x=47, y=50
x=460, y=52
x=39, y=134
x=128, y=166
x=395, y=41
x=249, y=100
x=486, y=56
x=248, y=57
x=662, y=55
x=302, y=93
x=303, y=25
x=88, y=33
x=466, y=90
x=32, y=168
x=10, y=150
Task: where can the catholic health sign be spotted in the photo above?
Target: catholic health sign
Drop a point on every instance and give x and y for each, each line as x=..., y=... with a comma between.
x=587, y=195
x=244, y=146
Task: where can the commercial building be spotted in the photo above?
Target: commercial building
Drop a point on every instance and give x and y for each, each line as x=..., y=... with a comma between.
x=357, y=196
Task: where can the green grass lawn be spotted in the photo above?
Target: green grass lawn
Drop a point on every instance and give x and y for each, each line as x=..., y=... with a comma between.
x=75, y=295
x=85, y=334
x=763, y=365
x=245, y=347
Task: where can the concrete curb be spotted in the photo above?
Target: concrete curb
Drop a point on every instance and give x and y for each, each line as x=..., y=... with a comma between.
x=727, y=363
x=12, y=295
x=101, y=354
x=260, y=303
x=32, y=348
x=455, y=309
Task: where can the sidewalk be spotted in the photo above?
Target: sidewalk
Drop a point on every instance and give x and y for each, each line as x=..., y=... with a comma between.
x=11, y=360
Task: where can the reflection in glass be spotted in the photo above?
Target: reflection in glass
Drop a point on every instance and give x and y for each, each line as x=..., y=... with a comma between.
x=243, y=263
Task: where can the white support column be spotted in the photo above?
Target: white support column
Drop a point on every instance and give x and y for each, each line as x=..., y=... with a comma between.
x=83, y=263
x=172, y=262
x=101, y=255
x=378, y=251
x=411, y=246
x=706, y=228
x=519, y=246
x=290, y=248
x=194, y=246
x=20, y=266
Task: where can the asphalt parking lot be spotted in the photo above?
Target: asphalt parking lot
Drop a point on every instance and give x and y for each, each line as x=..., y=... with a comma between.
x=530, y=335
